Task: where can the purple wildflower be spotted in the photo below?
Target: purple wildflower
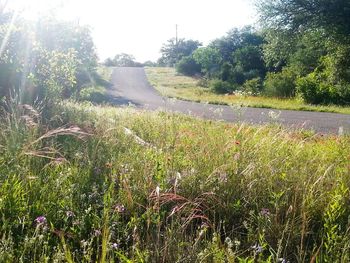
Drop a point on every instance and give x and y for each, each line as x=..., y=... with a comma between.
x=115, y=246
x=265, y=212
x=40, y=220
x=119, y=208
x=97, y=233
x=257, y=248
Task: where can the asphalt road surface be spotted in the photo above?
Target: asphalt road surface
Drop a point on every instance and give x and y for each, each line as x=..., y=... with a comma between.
x=130, y=86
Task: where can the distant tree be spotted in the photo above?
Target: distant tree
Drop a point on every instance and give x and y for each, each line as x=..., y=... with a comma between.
x=149, y=63
x=250, y=58
x=188, y=66
x=173, y=51
x=209, y=59
x=124, y=60
x=108, y=62
x=235, y=39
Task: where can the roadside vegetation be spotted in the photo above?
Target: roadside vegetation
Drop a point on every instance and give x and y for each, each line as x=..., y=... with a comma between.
x=81, y=182
x=100, y=184
x=298, y=56
x=174, y=85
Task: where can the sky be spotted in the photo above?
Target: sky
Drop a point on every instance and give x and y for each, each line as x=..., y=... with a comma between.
x=140, y=27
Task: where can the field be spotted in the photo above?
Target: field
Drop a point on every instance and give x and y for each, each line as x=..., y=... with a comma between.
x=170, y=84
x=83, y=183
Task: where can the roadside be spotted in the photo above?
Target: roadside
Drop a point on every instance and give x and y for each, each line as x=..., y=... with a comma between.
x=172, y=85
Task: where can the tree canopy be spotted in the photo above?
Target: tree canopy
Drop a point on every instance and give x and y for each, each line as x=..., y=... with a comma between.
x=173, y=51
x=300, y=15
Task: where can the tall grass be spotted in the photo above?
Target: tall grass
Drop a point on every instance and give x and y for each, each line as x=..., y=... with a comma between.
x=103, y=184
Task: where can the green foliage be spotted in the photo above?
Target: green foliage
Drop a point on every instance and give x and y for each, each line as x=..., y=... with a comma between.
x=209, y=59
x=330, y=82
x=54, y=76
x=188, y=66
x=221, y=87
x=253, y=86
x=281, y=84
x=122, y=60
x=332, y=16
x=47, y=60
x=234, y=40
x=174, y=50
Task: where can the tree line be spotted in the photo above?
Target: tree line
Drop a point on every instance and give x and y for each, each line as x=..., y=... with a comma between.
x=301, y=50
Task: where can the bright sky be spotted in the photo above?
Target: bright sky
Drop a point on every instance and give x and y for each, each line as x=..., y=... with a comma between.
x=140, y=27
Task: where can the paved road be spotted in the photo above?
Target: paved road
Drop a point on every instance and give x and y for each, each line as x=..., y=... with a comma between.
x=130, y=86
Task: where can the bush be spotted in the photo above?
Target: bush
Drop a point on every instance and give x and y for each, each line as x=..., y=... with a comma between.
x=316, y=89
x=188, y=66
x=252, y=86
x=329, y=83
x=281, y=84
x=222, y=87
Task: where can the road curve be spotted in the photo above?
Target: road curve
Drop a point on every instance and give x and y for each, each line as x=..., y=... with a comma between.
x=130, y=86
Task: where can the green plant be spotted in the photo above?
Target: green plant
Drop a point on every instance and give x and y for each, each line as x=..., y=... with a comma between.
x=281, y=84
x=221, y=87
x=253, y=86
x=188, y=66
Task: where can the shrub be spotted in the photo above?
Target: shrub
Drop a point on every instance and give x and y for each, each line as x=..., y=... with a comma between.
x=253, y=86
x=188, y=66
x=329, y=83
x=281, y=84
x=316, y=89
x=222, y=87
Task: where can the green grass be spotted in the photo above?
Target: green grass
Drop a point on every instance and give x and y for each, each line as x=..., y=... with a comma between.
x=97, y=90
x=123, y=185
x=170, y=84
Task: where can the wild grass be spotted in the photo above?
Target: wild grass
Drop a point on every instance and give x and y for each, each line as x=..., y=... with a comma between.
x=96, y=90
x=170, y=84
x=102, y=184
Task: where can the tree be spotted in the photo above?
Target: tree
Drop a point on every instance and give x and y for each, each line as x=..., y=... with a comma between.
x=299, y=15
x=174, y=50
x=188, y=66
x=235, y=39
x=209, y=59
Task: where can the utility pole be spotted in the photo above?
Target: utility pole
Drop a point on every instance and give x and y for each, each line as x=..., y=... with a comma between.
x=176, y=39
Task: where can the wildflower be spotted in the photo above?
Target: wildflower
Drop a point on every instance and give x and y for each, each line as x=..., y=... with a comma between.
x=70, y=214
x=115, y=246
x=97, y=233
x=119, y=208
x=40, y=220
x=265, y=212
x=257, y=248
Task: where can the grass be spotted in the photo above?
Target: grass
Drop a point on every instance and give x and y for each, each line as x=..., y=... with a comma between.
x=170, y=84
x=102, y=184
x=97, y=90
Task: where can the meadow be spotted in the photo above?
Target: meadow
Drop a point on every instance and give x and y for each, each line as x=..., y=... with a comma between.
x=174, y=85
x=84, y=183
